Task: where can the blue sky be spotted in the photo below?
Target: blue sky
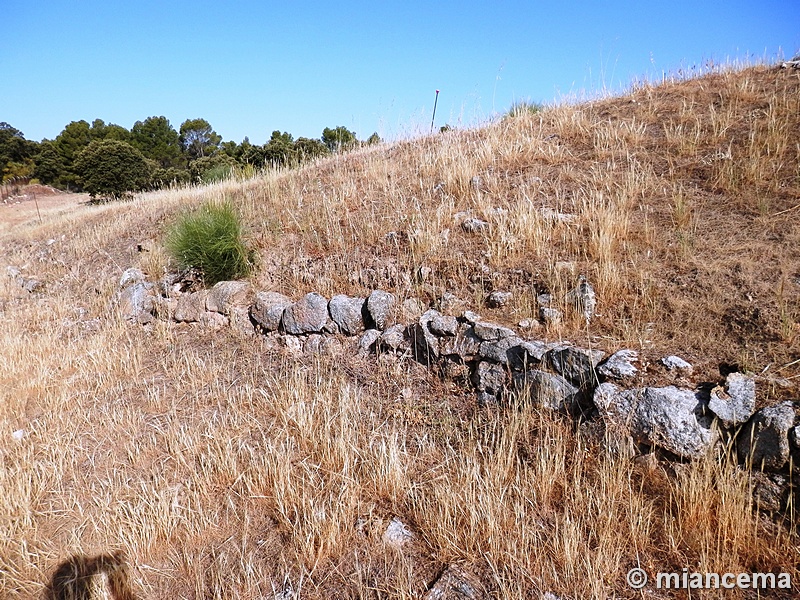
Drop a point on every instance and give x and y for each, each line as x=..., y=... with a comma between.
x=252, y=67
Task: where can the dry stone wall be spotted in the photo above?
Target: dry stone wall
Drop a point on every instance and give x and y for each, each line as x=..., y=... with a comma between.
x=497, y=362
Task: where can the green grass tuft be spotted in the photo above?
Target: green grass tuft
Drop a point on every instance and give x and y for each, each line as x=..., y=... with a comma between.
x=211, y=240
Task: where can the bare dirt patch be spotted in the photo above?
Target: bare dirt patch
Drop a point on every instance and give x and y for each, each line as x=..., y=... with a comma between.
x=37, y=203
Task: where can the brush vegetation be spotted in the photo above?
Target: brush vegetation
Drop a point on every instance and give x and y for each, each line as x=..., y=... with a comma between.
x=221, y=470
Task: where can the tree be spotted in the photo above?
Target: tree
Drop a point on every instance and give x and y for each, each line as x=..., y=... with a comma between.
x=198, y=138
x=49, y=164
x=112, y=169
x=374, y=139
x=157, y=140
x=279, y=150
x=15, y=153
x=209, y=169
x=338, y=139
x=75, y=137
x=100, y=131
x=308, y=149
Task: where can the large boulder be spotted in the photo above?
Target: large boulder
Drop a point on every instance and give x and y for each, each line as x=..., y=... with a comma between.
x=347, y=313
x=667, y=417
x=735, y=403
x=764, y=441
x=456, y=584
x=307, y=315
x=268, y=309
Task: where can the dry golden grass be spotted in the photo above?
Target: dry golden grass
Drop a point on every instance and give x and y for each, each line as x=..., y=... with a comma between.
x=225, y=471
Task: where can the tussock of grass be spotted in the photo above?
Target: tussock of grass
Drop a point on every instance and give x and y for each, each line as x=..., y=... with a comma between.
x=211, y=240
x=222, y=470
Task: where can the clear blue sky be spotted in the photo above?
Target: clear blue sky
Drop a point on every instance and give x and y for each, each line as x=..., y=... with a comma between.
x=252, y=67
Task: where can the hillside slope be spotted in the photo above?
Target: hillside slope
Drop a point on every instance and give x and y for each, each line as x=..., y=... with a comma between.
x=223, y=468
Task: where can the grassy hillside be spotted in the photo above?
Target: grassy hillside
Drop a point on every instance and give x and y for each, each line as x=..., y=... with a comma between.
x=224, y=470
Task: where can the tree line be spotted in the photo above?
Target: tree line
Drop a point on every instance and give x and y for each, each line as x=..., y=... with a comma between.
x=108, y=160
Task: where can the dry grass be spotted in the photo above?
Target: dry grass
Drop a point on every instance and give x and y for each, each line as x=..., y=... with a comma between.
x=224, y=471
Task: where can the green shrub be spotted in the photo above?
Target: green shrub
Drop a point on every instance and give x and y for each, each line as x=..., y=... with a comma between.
x=210, y=169
x=210, y=239
x=524, y=107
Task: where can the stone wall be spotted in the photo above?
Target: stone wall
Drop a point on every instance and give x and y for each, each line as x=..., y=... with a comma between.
x=501, y=365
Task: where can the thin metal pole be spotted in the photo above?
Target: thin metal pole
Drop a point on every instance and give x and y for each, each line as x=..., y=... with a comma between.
x=435, y=102
x=36, y=202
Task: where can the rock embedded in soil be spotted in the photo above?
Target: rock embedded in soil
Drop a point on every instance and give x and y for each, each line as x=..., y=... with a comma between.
x=498, y=299
x=665, y=417
x=380, y=306
x=191, y=306
x=547, y=390
x=347, y=313
x=550, y=316
x=397, y=533
x=475, y=225
x=268, y=309
x=676, y=363
x=619, y=365
x=307, y=315
x=736, y=403
x=456, y=584
x=225, y=295
x=764, y=441
x=129, y=277
x=136, y=302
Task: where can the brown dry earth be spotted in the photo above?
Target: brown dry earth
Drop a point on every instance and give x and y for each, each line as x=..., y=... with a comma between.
x=37, y=202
